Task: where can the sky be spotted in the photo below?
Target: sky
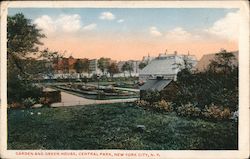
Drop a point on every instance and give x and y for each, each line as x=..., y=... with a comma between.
x=131, y=33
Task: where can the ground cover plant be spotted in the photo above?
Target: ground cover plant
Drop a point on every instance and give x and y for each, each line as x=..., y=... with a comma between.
x=113, y=126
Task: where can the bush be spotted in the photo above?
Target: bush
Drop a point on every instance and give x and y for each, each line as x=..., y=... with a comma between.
x=142, y=103
x=225, y=114
x=163, y=105
x=151, y=96
x=216, y=112
x=159, y=106
x=15, y=105
x=188, y=110
x=28, y=102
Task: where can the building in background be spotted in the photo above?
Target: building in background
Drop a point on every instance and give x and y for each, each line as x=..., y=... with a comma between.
x=166, y=66
x=71, y=65
x=204, y=62
x=147, y=59
x=93, y=67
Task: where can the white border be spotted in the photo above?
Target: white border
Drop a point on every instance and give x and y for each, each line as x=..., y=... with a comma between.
x=243, y=151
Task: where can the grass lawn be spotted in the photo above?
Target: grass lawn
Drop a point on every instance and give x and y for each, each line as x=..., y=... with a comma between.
x=113, y=126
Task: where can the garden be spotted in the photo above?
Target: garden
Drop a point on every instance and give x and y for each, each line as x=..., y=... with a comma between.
x=102, y=92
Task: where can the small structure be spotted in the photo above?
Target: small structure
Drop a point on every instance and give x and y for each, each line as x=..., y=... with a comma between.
x=155, y=84
x=166, y=87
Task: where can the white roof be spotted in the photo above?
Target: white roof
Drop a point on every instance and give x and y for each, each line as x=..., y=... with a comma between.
x=160, y=66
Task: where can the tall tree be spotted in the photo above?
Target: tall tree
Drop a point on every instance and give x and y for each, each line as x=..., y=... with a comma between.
x=223, y=62
x=112, y=69
x=217, y=85
x=82, y=65
x=127, y=66
x=142, y=65
x=23, y=39
x=103, y=64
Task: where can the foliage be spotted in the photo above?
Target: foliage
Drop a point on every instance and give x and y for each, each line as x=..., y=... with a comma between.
x=142, y=65
x=23, y=40
x=164, y=106
x=127, y=66
x=19, y=90
x=161, y=105
x=29, y=102
x=222, y=63
x=188, y=110
x=205, y=88
x=110, y=126
x=152, y=96
x=23, y=36
x=216, y=112
x=142, y=103
x=113, y=69
x=103, y=64
x=82, y=65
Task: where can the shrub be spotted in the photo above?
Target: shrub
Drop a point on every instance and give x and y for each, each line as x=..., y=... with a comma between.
x=159, y=106
x=211, y=112
x=163, y=105
x=151, y=96
x=216, y=112
x=28, y=102
x=15, y=105
x=225, y=114
x=142, y=103
x=188, y=110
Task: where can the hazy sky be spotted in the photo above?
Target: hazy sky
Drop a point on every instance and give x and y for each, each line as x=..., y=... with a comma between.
x=132, y=33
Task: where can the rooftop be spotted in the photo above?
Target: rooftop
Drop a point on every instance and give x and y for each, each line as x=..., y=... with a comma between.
x=155, y=84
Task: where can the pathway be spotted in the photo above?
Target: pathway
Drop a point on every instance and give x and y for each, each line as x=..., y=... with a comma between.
x=73, y=100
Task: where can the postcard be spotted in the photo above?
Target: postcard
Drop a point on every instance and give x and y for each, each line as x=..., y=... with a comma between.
x=125, y=79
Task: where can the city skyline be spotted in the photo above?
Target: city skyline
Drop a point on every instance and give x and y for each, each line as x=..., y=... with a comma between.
x=126, y=34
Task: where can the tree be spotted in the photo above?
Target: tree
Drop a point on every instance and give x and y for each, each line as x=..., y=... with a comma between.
x=103, y=64
x=23, y=39
x=223, y=62
x=142, y=65
x=41, y=65
x=112, y=69
x=218, y=85
x=82, y=65
x=127, y=66
x=49, y=58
